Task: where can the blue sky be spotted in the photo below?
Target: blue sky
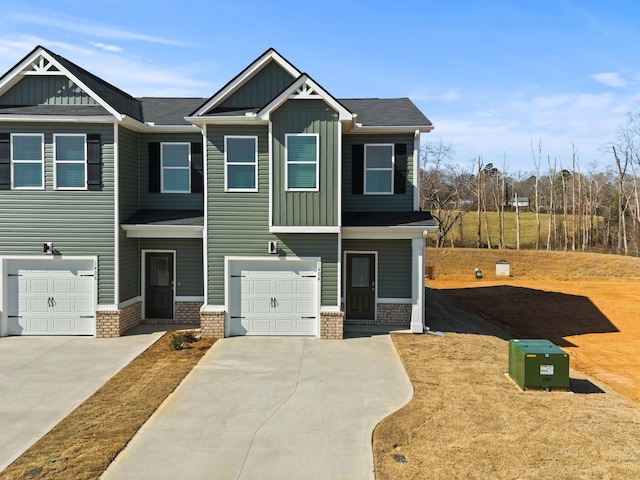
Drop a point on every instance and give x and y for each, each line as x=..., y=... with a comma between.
x=493, y=76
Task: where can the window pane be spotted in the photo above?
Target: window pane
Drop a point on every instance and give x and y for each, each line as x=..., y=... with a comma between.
x=241, y=150
x=70, y=148
x=379, y=156
x=27, y=147
x=378, y=181
x=302, y=175
x=176, y=180
x=160, y=272
x=175, y=155
x=359, y=272
x=301, y=148
x=70, y=175
x=241, y=176
x=27, y=175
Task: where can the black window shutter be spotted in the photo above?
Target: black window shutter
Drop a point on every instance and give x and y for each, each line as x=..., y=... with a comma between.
x=5, y=161
x=196, y=168
x=154, y=167
x=94, y=162
x=400, y=173
x=357, y=169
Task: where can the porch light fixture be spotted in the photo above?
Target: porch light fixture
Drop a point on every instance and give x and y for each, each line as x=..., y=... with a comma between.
x=47, y=248
x=273, y=247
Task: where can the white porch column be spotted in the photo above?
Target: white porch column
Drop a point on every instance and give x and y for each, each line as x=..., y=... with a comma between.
x=417, y=285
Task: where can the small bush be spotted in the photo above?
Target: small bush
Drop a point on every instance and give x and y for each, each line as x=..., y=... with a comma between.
x=178, y=342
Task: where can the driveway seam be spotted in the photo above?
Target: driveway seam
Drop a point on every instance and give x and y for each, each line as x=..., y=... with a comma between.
x=36, y=359
x=276, y=410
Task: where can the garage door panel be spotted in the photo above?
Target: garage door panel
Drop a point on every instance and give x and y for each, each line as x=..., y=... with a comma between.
x=284, y=326
x=261, y=287
x=37, y=287
x=63, y=286
x=285, y=306
x=305, y=307
x=285, y=287
x=61, y=325
x=259, y=306
x=35, y=305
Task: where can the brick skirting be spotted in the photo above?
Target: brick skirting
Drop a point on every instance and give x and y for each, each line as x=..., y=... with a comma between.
x=212, y=322
x=394, y=314
x=114, y=323
x=187, y=313
x=331, y=325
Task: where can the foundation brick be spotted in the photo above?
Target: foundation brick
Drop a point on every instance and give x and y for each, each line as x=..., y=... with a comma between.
x=212, y=322
x=331, y=325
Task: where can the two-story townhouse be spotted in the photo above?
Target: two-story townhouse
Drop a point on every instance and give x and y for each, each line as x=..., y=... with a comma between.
x=271, y=208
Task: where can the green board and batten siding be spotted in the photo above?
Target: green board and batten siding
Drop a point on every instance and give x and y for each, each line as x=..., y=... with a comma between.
x=238, y=222
x=79, y=223
x=394, y=264
x=376, y=203
x=128, y=203
x=46, y=90
x=306, y=208
x=260, y=89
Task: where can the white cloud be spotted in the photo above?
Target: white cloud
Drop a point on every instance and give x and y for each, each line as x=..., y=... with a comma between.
x=448, y=96
x=108, y=48
x=611, y=79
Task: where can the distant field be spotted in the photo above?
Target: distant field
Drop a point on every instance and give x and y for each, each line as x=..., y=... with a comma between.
x=468, y=234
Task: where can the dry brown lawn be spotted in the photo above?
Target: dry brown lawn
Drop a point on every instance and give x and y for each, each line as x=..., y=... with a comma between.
x=468, y=420
x=83, y=444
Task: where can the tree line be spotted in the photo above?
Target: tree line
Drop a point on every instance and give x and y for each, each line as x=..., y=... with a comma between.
x=575, y=208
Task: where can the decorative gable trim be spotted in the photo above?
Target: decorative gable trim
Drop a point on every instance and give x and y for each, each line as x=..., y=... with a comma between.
x=304, y=88
x=244, y=76
x=41, y=62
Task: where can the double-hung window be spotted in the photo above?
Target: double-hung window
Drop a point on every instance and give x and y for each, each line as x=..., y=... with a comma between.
x=175, y=161
x=241, y=163
x=378, y=169
x=302, y=161
x=70, y=159
x=27, y=160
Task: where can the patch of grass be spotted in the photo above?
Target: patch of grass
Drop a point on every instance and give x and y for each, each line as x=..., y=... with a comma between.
x=84, y=443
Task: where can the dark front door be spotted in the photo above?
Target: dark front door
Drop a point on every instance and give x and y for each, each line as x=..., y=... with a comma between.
x=159, y=285
x=361, y=286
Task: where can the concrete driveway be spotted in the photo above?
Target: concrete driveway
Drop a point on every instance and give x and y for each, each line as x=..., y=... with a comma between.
x=272, y=408
x=43, y=379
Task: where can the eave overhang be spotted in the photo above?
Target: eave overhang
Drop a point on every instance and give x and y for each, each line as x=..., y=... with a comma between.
x=163, y=231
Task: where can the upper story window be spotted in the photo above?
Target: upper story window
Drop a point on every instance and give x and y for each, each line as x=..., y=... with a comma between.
x=378, y=169
x=27, y=161
x=302, y=161
x=175, y=161
x=241, y=163
x=70, y=159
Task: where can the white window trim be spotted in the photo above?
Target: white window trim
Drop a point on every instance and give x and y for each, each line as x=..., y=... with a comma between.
x=56, y=161
x=162, y=167
x=42, y=182
x=393, y=167
x=287, y=162
x=254, y=163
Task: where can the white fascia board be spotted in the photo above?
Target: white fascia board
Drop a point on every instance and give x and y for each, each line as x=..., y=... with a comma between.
x=416, y=171
x=363, y=233
x=226, y=119
x=320, y=93
x=59, y=118
x=245, y=76
x=285, y=229
x=135, y=125
x=390, y=129
x=164, y=231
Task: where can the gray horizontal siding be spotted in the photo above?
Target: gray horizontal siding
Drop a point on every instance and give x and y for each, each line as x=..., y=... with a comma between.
x=180, y=201
x=238, y=222
x=189, y=262
x=375, y=203
x=77, y=222
x=394, y=264
x=306, y=208
x=46, y=90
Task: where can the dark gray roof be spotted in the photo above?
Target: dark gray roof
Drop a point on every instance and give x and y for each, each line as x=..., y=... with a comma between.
x=121, y=101
x=168, y=111
x=387, y=219
x=167, y=217
x=386, y=112
x=77, y=110
x=222, y=111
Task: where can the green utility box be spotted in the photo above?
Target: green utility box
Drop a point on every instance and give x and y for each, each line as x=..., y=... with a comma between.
x=538, y=364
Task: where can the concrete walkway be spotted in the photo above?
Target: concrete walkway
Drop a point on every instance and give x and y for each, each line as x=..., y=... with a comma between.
x=272, y=408
x=43, y=379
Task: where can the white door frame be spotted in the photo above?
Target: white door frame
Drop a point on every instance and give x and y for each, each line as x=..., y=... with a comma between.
x=228, y=260
x=143, y=279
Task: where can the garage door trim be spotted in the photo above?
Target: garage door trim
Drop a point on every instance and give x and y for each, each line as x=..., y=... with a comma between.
x=9, y=262
x=233, y=260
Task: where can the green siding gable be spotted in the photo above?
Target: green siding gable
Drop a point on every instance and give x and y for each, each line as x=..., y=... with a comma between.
x=376, y=203
x=263, y=87
x=306, y=208
x=46, y=90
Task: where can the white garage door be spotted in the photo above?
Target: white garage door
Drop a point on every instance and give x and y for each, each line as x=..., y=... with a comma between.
x=273, y=298
x=51, y=297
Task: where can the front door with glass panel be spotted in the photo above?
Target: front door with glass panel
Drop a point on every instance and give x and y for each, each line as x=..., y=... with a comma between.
x=159, y=285
x=361, y=286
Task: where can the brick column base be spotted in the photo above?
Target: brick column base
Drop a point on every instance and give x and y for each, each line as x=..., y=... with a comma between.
x=212, y=322
x=331, y=325
x=114, y=323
